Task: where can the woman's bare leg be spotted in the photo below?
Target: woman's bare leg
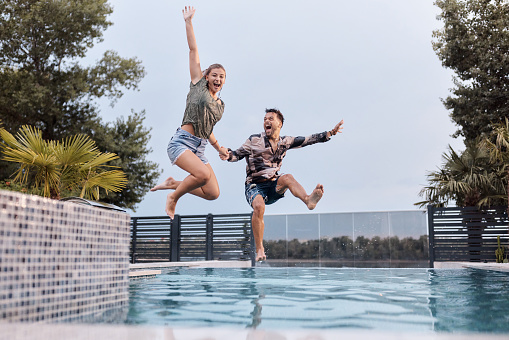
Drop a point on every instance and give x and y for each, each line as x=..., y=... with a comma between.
x=200, y=176
x=209, y=191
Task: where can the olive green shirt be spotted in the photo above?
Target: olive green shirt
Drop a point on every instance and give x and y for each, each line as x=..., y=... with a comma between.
x=202, y=110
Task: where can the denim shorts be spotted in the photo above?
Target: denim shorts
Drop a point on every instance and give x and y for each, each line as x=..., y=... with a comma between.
x=266, y=189
x=182, y=141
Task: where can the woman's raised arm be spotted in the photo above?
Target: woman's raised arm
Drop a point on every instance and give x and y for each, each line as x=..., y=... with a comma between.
x=194, y=59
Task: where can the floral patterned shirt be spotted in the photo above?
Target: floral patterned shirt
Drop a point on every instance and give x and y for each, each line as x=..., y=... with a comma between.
x=264, y=163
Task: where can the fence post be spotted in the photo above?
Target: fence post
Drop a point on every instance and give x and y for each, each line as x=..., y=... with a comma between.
x=431, y=236
x=175, y=239
x=209, y=238
x=133, y=239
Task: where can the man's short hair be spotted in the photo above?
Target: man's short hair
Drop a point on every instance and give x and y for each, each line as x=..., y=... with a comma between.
x=278, y=113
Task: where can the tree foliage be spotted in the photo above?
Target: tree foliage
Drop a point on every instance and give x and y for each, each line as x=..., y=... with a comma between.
x=128, y=139
x=73, y=164
x=498, y=149
x=41, y=82
x=471, y=178
x=474, y=43
x=44, y=85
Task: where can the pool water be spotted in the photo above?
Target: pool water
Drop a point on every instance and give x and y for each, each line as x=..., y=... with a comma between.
x=415, y=300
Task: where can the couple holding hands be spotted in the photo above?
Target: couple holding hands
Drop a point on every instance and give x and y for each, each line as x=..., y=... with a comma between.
x=264, y=152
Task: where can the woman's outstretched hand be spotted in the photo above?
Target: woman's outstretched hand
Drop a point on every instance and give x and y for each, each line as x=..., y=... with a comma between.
x=188, y=13
x=224, y=153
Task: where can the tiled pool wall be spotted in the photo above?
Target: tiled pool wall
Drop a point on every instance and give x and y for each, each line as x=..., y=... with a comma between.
x=61, y=261
x=385, y=239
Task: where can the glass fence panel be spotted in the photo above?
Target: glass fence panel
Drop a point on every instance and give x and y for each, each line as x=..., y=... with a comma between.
x=364, y=239
x=275, y=240
x=303, y=240
x=371, y=239
x=336, y=239
x=409, y=239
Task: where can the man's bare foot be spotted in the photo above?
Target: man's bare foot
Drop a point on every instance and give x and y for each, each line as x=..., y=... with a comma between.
x=315, y=197
x=169, y=183
x=170, y=206
x=260, y=255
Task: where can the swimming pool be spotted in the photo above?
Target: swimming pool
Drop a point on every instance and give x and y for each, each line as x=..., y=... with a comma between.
x=408, y=300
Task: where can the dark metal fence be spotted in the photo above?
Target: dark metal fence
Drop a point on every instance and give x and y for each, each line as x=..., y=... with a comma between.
x=466, y=234
x=191, y=238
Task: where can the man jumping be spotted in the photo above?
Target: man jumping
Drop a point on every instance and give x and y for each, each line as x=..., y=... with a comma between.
x=264, y=155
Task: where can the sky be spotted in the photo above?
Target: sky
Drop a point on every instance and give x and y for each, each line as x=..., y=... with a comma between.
x=368, y=62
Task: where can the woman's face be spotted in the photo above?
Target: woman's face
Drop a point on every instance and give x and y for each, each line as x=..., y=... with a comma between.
x=216, y=79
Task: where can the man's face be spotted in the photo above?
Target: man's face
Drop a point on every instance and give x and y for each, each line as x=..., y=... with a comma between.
x=271, y=124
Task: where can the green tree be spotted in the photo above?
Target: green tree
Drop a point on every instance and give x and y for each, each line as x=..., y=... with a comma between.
x=72, y=165
x=41, y=81
x=128, y=139
x=474, y=44
x=498, y=148
x=468, y=179
x=43, y=84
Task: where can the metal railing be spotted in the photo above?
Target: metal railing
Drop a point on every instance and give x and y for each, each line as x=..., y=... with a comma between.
x=191, y=238
x=466, y=234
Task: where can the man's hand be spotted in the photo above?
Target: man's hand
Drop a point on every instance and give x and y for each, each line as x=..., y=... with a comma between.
x=224, y=154
x=336, y=129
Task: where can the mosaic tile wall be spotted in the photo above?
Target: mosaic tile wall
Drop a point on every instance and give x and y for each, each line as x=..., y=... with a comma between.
x=61, y=261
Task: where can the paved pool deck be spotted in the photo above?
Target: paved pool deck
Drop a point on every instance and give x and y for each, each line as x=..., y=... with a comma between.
x=118, y=332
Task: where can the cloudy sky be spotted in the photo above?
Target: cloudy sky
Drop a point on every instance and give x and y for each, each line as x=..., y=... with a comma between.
x=369, y=62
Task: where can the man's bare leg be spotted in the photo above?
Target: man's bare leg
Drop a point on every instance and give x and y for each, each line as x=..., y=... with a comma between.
x=289, y=182
x=258, y=226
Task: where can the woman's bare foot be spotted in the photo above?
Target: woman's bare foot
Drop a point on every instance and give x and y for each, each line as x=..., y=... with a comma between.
x=315, y=197
x=170, y=206
x=260, y=255
x=169, y=183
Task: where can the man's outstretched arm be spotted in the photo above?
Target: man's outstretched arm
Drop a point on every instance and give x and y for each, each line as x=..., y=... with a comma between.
x=300, y=142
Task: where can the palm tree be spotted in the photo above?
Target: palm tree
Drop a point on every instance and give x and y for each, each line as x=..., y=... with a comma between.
x=498, y=148
x=73, y=164
x=469, y=179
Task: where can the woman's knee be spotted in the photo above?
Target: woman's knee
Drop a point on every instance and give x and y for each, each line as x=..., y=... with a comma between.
x=212, y=195
x=202, y=176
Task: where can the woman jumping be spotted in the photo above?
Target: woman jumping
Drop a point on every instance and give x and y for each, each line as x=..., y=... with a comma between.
x=203, y=110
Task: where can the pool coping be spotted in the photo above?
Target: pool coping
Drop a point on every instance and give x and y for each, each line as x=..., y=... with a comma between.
x=146, y=270
x=499, y=267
